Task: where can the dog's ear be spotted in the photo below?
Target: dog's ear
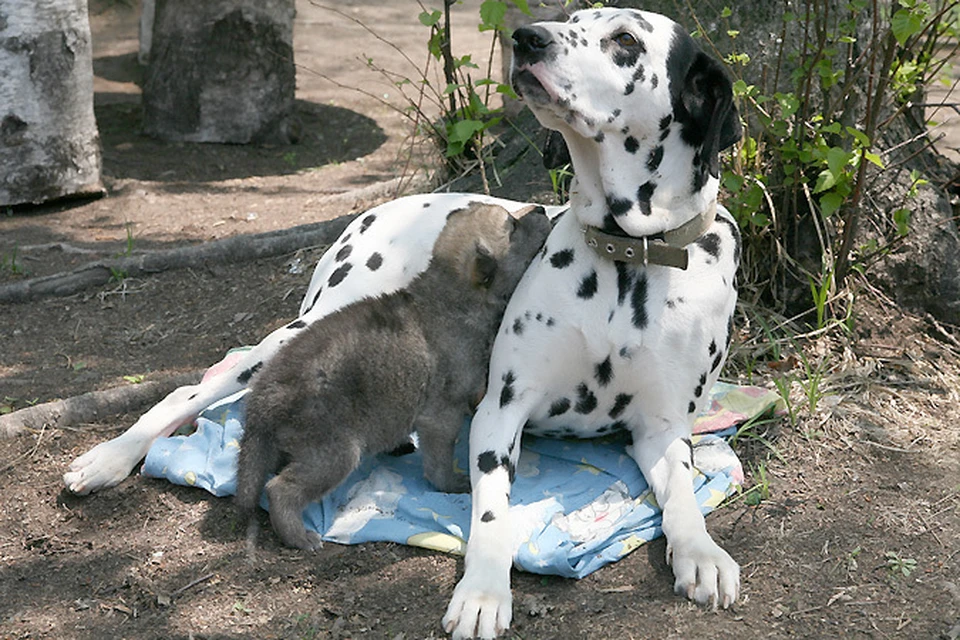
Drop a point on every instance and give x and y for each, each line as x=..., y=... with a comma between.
x=484, y=267
x=707, y=99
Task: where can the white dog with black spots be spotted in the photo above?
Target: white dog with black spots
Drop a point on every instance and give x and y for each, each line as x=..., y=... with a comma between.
x=622, y=323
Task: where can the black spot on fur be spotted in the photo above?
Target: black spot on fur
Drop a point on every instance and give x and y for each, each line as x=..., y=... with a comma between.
x=618, y=206
x=244, y=377
x=487, y=461
x=518, y=326
x=624, y=280
x=562, y=258
x=366, y=222
x=599, y=137
x=511, y=468
x=710, y=243
x=735, y=232
x=192, y=396
x=716, y=361
x=603, y=372
x=619, y=404
x=506, y=394
x=559, y=407
x=375, y=261
x=316, y=297
x=586, y=401
x=644, y=195
x=642, y=22
x=631, y=144
x=698, y=391
x=339, y=274
x=703, y=379
x=655, y=157
x=686, y=465
x=638, y=302
x=297, y=324
x=588, y=286
x=344, y=253
x=426, y=204
x=665, y=122
x=487, y=516
x=550, y=322
x=712, y=349
x=629, y=88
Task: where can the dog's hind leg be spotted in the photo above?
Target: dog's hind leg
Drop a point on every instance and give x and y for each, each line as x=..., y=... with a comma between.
x=108, y=463
x=438, y=430
x=308, y=477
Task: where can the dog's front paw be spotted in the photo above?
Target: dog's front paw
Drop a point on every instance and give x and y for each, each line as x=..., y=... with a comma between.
x=478, y=609
x=104, y=466
x=704, y=572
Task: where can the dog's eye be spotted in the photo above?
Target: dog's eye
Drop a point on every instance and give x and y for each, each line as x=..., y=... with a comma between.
x=625, y=39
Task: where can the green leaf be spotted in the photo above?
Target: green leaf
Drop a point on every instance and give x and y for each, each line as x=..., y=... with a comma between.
x=523, y=6
x=829, y=203
x=492, y=13
x=826, y=180
x=429, y=19
x=859, y=136
x=901, y=218
x=904, y=24
x=874, y=158
x=837, y=160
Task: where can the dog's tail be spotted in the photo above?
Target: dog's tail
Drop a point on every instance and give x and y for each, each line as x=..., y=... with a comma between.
x=258, y=457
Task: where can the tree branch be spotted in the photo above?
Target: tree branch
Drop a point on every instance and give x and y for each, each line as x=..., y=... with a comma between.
x=93, y=406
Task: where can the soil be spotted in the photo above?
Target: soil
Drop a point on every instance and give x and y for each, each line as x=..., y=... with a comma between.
x=852, y=530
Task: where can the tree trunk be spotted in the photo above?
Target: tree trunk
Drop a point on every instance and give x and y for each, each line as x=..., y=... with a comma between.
x=221, y=71
x=49, y=145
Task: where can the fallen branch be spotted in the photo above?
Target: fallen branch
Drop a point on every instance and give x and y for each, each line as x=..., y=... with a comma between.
x=227, y=250
x=92, y=406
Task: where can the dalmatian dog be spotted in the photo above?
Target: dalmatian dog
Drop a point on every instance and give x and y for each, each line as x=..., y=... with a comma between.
x=623, y=321
x=380, y=252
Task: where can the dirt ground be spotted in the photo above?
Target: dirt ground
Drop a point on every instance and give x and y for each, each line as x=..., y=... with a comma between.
x=856, y=533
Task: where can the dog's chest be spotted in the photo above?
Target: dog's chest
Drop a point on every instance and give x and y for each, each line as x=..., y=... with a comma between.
x=607, y=342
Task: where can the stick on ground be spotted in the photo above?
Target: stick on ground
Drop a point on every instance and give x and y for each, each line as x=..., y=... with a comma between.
x=93, y=406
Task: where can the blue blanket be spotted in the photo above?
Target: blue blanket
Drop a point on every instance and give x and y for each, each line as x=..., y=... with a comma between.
x=575, y=506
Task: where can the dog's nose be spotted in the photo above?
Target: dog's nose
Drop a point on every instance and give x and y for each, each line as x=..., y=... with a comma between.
x=531, y=40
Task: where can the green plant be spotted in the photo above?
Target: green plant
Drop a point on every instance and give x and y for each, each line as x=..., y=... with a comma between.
x=10, y=263
x=466, y=110
x=899, y=566
x=813, y=144
x=560, y=181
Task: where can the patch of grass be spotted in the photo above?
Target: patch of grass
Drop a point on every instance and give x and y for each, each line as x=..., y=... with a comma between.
x=899, y=566
x=10, y=263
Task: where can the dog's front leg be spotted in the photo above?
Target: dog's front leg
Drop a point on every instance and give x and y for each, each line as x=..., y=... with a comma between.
x=482, y=606
x=703, y=571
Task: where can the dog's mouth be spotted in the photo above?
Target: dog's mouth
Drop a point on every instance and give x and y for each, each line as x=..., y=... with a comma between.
x=528, y=82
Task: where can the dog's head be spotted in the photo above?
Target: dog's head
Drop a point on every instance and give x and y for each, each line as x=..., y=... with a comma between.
x=490, y=248
x=644, y=111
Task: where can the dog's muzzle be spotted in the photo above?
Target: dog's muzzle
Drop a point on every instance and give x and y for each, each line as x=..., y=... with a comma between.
x=530, y=44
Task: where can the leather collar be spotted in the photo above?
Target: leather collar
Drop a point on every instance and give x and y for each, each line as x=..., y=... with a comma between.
x=668, y=249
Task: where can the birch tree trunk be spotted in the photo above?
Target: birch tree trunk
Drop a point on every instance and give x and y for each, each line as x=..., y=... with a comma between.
x=49, y=144
x=221, y=71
